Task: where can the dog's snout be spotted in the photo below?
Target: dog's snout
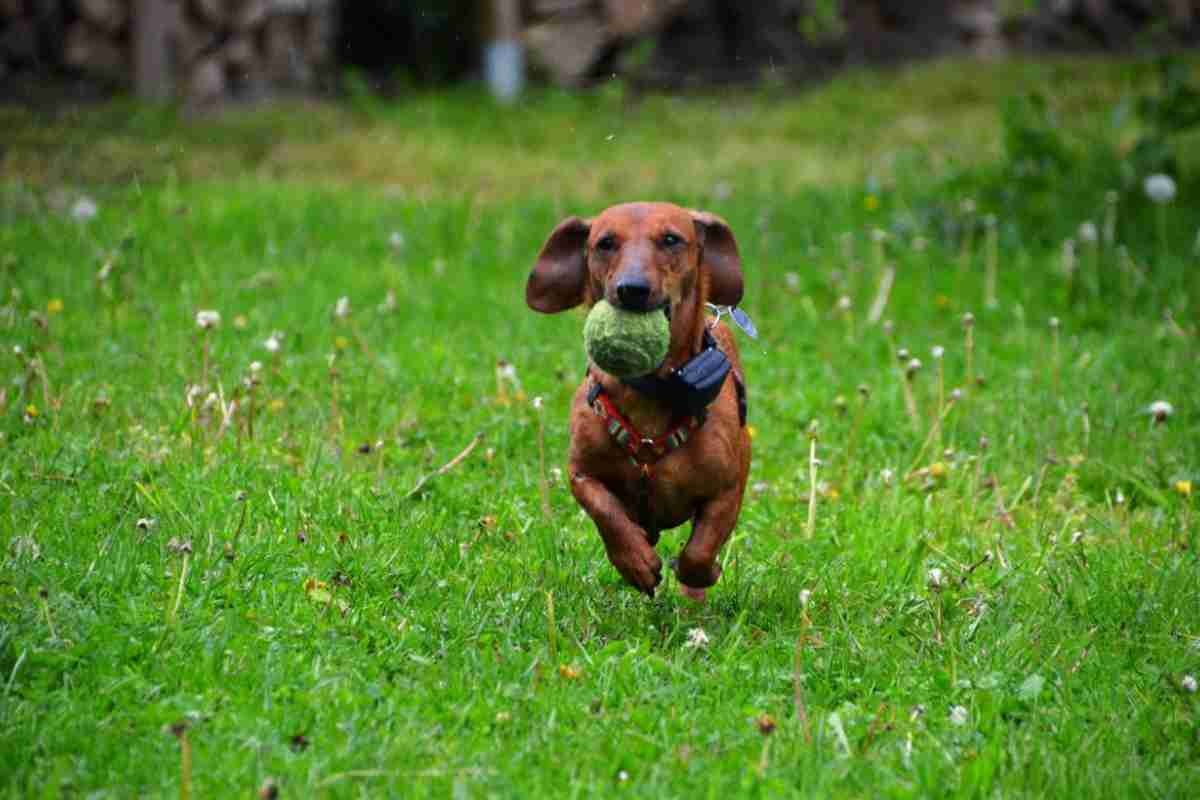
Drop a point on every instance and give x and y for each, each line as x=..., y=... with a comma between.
x=633, y=293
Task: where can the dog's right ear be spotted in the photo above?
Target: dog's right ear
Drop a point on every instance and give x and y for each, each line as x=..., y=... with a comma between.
x=559, y=278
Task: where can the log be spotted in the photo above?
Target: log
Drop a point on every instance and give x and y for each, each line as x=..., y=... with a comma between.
x=249, y=15
x=282, y=49
x=319, y=34
x=89, y=49
x=568, y=47
x=109, y=16
x=206, y=83
x=239, y=52
x=213, y=12
x=630, y=18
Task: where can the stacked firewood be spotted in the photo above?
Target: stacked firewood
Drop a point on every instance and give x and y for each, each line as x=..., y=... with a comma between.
x=201, y=51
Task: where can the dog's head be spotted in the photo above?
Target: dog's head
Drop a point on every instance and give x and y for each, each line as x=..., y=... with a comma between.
x=639, y=257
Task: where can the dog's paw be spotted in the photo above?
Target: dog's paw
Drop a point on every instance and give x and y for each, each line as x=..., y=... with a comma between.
x=640, y=566
x=696, y=575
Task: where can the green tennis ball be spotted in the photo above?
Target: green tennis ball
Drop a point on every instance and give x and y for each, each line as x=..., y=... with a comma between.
x=626, y=343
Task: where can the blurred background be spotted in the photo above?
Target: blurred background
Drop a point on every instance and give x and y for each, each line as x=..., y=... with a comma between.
x=209, y=53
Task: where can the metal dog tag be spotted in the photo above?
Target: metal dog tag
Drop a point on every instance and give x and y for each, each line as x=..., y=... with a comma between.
x=743, y=321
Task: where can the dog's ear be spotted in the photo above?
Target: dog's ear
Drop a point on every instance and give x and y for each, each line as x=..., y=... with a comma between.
x=720, y=259
x=559, y=278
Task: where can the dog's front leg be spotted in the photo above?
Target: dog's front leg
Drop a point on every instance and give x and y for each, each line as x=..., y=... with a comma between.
x=697, y=567
x=625, y=541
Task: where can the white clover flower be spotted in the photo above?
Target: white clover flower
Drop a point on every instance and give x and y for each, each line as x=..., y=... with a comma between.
x=805, y=596
x=255, y=367
x=935, y=579
x=211, y=400
x=912, y=366
x=273, y=342
x=1160, y=410
x=792, y=280
x=844, y=303
x=84, y=209
x=193, y=394
x=208, y=319
x=1088, y=232
x=887, y=475
x=958, y=715
x=696, y=639
x=146, y=523
x=1160, y=188
x=537, y=403
x=956, y=395
x=341, y=309
x=1188, y=684
x=938, y=351
x=1054, y=323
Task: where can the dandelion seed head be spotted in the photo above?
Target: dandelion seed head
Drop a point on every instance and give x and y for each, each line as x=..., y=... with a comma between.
x=935, y=579
x=84, y=209
x=341, y=309
x=1160, y=410
x=273, y=342
x=1160, y=188
x=696, y=639
x=958, y=715
x=1188, y=684
x=208, y=319
x=937, y=352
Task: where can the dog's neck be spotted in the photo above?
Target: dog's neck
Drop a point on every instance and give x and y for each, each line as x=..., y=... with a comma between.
x=649, y=414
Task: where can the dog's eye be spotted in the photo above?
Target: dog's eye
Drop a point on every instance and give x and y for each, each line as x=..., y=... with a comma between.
x=607, y=243
x=671, y=240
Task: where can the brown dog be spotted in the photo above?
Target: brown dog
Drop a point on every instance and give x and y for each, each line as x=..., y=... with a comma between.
x=640, y=460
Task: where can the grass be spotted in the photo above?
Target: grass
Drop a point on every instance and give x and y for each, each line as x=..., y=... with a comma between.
x=191, y=607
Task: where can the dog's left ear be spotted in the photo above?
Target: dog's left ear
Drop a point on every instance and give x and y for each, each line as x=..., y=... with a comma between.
x=720, y=259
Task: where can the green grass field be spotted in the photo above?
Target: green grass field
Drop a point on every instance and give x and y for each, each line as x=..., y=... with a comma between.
x=225, y=588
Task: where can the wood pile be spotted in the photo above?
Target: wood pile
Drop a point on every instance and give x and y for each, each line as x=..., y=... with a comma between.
x=568, y=38
x=701, y=42
x=204, y=52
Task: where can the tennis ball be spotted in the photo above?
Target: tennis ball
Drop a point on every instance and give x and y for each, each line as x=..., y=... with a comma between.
x=626, y=343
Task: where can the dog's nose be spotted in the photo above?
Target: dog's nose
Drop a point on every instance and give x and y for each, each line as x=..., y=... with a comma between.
x=633, y=293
